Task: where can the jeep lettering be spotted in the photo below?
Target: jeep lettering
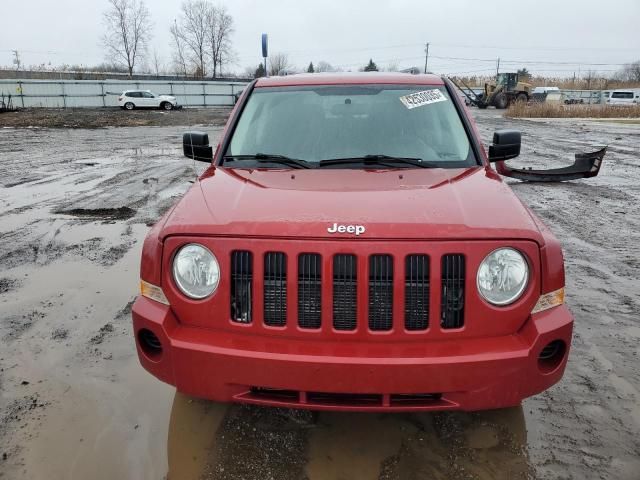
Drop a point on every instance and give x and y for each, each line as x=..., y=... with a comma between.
x=356, y=229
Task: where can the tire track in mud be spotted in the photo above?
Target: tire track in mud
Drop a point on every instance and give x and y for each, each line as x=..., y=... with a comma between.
x=588, y=426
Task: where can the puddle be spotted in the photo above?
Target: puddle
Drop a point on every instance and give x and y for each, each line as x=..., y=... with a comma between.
x=216, y=441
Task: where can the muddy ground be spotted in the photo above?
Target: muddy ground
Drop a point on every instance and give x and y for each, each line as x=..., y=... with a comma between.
x=75, y=205
x=111, y=117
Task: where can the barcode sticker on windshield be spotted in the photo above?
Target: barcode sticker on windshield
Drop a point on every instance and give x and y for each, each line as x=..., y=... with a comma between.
x=419, y=99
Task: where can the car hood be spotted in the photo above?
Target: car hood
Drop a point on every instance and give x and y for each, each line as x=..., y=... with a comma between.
x=470, y=203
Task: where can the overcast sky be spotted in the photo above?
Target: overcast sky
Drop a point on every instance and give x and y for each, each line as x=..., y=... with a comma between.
x=550, y=37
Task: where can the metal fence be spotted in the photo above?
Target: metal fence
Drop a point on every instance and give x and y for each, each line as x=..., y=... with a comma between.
x=582, y=96
x=104, y=93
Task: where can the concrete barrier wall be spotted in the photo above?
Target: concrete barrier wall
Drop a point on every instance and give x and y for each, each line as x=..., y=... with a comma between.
x=104, y=93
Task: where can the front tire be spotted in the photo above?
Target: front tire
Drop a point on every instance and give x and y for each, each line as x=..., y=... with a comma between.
x=501, y=101
x=166, y=106
x=129, y=106
x=522, y=97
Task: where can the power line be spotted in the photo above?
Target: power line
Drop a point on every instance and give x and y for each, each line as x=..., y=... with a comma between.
x=530, y=62
x=537, y=47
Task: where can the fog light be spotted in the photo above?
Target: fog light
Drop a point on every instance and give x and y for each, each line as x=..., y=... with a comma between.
x=150, y=344
x=551, y=356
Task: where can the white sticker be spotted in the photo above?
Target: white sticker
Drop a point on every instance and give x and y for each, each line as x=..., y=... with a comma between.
x=419, y=99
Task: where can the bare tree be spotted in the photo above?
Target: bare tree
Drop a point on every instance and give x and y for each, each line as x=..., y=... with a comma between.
x=156, y=63
x=589, y=77
x=631, y=72
x=220, y=29
x=179, y=57
x=226, y=53
x=128, y=26
x=324, y=67
x=278, y=63
x=249, y=72
x=392, y=66
x=192, y=30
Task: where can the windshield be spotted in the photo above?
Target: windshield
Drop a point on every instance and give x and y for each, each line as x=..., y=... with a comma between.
x=322, y=123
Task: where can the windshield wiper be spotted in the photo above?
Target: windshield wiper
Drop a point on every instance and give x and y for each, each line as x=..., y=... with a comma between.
x=386, y=160
x=270, y=158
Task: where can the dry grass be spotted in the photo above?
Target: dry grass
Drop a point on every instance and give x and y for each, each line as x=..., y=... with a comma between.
x=554, y=110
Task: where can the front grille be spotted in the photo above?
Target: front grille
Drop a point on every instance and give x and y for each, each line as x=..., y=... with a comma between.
x=415, y=398
x=275, y=289
x=309, y=290
x=380, y=292
x=241, y=286
x=345, y=276
x=344, y=398
x=452, y=307
x=365, y=400
x=275, y=394
x=416, y=292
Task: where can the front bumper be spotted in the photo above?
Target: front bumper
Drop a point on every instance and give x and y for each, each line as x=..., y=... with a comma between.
x=468, y=374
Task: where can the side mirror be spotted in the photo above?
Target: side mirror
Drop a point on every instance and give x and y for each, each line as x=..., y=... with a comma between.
x=506, y=145
x=195, y=145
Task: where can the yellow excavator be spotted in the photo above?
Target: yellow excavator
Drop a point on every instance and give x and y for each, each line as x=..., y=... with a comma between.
x=500, y=93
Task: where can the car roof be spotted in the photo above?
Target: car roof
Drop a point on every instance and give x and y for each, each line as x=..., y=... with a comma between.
x=356, y=78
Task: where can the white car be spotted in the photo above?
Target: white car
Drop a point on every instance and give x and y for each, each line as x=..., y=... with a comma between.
x=623, y=97
x=130, y=99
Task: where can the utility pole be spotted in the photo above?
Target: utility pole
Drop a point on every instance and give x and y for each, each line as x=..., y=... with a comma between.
x=16, y=59
x=498, y=67
x=426, y=57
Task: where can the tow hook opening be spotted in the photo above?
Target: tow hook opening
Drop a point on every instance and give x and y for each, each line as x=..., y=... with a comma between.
x=551, y=356
x=150, y=344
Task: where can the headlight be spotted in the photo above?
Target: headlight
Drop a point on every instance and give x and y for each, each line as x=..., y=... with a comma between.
x=502, y=277
x=196, y=271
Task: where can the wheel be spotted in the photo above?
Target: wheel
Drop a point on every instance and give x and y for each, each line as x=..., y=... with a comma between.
x=166, y=106
x=501, y=101
x=129, y=106
x=522, y=97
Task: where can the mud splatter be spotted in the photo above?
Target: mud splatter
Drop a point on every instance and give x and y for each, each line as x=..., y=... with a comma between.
x=120, y=213
x=8, y=284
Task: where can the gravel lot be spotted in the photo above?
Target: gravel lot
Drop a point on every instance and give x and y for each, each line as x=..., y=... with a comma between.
x=75, y=205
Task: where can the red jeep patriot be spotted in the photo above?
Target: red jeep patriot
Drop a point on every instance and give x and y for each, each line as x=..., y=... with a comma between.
x=351, y=248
